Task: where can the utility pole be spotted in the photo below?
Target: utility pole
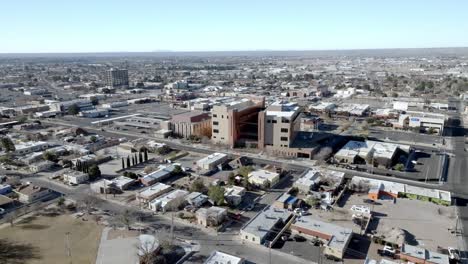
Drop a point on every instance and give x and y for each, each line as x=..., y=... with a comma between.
x=172, y=228
x=67, y=246
x=428, y=167
x=105, y=189
x=269, y=253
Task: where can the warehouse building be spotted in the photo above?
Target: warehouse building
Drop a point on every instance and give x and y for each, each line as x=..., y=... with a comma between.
x=148, y=194
x=264, y=226
x=193, y=123
x=335, y=238
x=212, y=161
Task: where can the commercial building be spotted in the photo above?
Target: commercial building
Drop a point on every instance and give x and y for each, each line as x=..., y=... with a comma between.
x=280, y=132
x=372, y=152
x=263, y=178
x=115, y=104
x=210, y=162
x=264, y=227
x=82, y=104
x=116, y=78
x=336, y=238
x=422, y=122
x=379, y=188
x=148, y=194
x=234, y=194
x=170, y=201
x=75, y=177
x=94, y=113
x=307, y=181
x=212, y=216
x=161, y=174
x=278, y=125
x=422, y=256
x=218, y=257
x=142, y=122
x=31, y=146
x=41, y=166
x=193, y=123
x=123, y=183
x=352, y=110
x=236, y=123
x=28, y=193
x=103, y=186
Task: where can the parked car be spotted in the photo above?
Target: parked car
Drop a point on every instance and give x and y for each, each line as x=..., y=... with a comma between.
x=453, y=253
x=299, y=238
x=387, y=251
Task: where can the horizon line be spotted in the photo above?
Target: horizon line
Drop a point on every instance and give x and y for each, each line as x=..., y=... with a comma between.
x=247, y=50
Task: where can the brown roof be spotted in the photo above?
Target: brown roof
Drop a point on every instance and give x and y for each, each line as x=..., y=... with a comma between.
x=191, y=116
x=30, y=189
x=4, y=200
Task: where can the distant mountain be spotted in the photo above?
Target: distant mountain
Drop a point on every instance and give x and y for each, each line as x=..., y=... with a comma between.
x=455, y=51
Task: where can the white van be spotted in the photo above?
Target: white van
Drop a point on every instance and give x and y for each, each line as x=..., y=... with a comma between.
x=360, y=209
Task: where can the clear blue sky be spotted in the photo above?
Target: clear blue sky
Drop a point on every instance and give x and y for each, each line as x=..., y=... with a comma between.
x=203, y=25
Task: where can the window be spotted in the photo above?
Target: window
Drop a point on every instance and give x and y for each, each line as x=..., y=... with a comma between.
x=222, y=116
x=253, y=238
x=268, y=121
x=246, y=237
x=215, y=131
x=284, y=130
x=284, y=138
x=273, y=121
x=286, y=121
x=215, y=115
x=215, y=123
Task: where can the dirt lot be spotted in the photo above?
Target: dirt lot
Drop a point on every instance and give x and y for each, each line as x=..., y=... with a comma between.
x=42, y=239
x=415, y=217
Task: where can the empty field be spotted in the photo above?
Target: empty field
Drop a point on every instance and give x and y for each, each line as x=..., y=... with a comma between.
x=43, y=239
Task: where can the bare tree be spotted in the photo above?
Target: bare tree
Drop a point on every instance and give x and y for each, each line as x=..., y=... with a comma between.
x=88, y=202
x=323, y=154
x=127, y=218
x=148, y=252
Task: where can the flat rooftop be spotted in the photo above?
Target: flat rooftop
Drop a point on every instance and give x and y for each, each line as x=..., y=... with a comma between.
x=340, y=236
x=263, y=222
x=153, y=189
x=218, y=257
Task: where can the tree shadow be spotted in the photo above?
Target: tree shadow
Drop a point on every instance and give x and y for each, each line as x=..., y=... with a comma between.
x=34, y=226
x=410, y=239
x=27, y=220
x=198, y=258
x=17, y=253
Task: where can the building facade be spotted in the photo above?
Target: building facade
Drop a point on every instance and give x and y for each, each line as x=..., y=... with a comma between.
x=236, y=123
x=116, y=78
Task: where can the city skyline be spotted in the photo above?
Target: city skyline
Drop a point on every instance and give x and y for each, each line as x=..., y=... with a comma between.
x=147, y=26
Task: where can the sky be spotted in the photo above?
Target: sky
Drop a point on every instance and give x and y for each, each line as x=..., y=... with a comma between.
x=229, y=25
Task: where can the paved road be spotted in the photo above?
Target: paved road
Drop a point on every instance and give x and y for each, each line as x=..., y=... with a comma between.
x=457, y=179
